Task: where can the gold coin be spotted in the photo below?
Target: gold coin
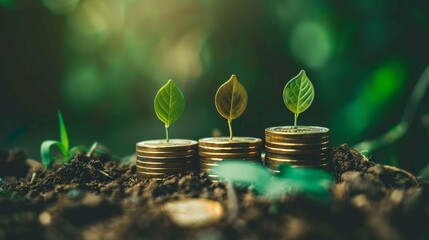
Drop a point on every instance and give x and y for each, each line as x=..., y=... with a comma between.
x=163, y=170
x=229, y=155
x=211, y=159
x=229, y=150
x=297, y=146
x=301, y=138
x=286, y=151
x=275, y=163
x=175, y=153
x=165, y=165
x=165, y=159
x=322, y=165
x=297, y=143
x=297, y=158
x=225, y=142
x=298, y=136
x=291, y=161
x=161, y=174
x=148, y=174
x=163, y=146
x=196, y=212
x=226, y=160
x=171, y=157
x=206, y=170
x=302, y=131
x=203, y=164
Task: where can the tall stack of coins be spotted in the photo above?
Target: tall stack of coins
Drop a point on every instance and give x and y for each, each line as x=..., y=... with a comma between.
x=214, y=150
x=158, y=158
x=301, y=147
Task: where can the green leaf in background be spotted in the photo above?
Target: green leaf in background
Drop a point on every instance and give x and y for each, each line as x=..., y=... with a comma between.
x=231, y=100
x=244, y=173
x=310, y=182
x=169, y=104
x=62, y=145
x=298, y=94
x=64, y=139
x=45, y=150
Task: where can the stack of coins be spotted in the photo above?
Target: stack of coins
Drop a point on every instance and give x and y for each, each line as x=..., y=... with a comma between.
x=301, y=147
x=214, y=150
x=158, y=158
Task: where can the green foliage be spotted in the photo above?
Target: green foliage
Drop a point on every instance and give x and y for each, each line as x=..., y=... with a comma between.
x=298, y=94
x=65, y=152
x=169, y=104
x=231, y=100
x=63, y=145
x=64, y=138
x=311, y=182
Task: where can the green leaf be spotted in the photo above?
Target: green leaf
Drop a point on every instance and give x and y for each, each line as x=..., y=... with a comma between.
x=244, y=173
x=169, y=103
x=64, y=139
x=231, y=100
x=278, y=187
x=75, y=150
x=313, y=182
x=45, y=150
x=298, y=94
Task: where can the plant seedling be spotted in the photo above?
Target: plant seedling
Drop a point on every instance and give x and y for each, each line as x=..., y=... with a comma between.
x=169, y=105
x=231, y=101
x=298, y=94
x=65, y=153
x=311, y=182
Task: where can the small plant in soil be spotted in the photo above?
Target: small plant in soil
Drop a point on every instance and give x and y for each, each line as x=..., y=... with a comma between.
x=169, y=105
x=231, y=101
x=65, y=153
x=298, y=95
x=160, y=158
x=303, y=146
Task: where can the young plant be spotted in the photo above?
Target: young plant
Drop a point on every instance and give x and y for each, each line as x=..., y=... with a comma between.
x=298, y=94
x=169, y=105
x=65, y=152
x=62, y=145
x=311, y=182
x=231, y=101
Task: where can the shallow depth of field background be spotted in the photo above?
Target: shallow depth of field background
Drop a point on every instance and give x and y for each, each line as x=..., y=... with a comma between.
x=101, y=62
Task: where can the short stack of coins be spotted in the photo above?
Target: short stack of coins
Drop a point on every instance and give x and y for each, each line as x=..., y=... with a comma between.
x=159, y=158
x=300, y=147
x=213, y=151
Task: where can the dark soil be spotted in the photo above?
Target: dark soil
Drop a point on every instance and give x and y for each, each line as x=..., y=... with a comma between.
x=95, y=199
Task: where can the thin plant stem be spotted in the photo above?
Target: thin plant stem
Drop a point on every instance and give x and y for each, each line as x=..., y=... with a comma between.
x=92, y=149
x=230, y=129
x=399, y=130
x=295, y=122
x=166, y=134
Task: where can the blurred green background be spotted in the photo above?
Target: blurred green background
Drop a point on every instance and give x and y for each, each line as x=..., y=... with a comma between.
x=101, y=62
